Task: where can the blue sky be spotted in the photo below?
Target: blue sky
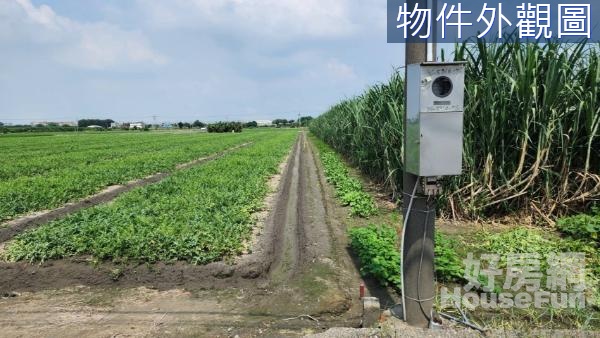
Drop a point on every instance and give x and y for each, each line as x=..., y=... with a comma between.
x=188, y=59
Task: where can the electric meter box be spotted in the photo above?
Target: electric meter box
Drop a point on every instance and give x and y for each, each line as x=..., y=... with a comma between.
x=434, y=117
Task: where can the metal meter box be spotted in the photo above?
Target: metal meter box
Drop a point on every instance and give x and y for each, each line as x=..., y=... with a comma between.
x=434, y=108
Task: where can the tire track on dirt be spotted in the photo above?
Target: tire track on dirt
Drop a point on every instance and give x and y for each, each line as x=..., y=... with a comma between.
x=304, y=237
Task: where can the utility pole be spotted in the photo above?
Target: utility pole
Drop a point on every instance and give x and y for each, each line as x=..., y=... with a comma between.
x=418, y=290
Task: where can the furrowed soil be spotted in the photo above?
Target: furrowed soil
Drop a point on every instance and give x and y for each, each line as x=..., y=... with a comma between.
x=298, y=278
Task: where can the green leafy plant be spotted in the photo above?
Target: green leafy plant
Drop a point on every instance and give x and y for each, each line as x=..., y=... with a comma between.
x=348, y=189
x=583, y=226
x=448, y=265
x=360, y=202
x=377, y=247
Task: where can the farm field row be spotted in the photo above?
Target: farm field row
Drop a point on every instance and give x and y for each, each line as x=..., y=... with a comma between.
x=199, y=215
x=32, y=156
x=38, y=173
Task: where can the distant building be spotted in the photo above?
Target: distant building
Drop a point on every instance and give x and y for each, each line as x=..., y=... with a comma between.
x=264, y=123
x=137, y=125
x=115, y=125
x=95, y=127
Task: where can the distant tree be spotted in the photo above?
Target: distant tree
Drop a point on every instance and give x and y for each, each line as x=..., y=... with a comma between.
x=251, y=124
x=180, y=125
x=225, y=127
x=280, y=122
x=187, y=125
x=305, y=120
x=198, y=124
x=1, y=124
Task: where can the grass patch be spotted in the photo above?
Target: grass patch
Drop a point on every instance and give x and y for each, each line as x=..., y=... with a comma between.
x=523, y=240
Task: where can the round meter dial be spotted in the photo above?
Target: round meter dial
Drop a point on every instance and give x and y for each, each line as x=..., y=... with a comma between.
x=442, y=87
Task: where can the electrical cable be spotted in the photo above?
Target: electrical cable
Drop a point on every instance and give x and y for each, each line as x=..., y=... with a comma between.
x=408, y=213
x=419, y=299
x=465, y=321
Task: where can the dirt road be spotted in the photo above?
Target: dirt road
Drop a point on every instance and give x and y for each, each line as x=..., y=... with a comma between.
x=298, y=279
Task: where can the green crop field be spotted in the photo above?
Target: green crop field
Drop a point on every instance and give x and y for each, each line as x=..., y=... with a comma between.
x=201, y=214
x=46, y=171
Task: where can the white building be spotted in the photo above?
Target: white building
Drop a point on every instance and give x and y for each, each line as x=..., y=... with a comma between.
x=264, y=123
x=137, y=125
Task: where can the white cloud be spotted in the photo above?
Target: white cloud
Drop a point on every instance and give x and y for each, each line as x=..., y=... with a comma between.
x=96, y=45
x=282, y=19
x=228, y=59
x=340, y=70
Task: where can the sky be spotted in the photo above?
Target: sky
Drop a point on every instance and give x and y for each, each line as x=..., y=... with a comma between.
x=182, y=60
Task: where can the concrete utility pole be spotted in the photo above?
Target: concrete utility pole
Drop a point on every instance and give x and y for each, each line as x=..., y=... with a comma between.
x=418, y=288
